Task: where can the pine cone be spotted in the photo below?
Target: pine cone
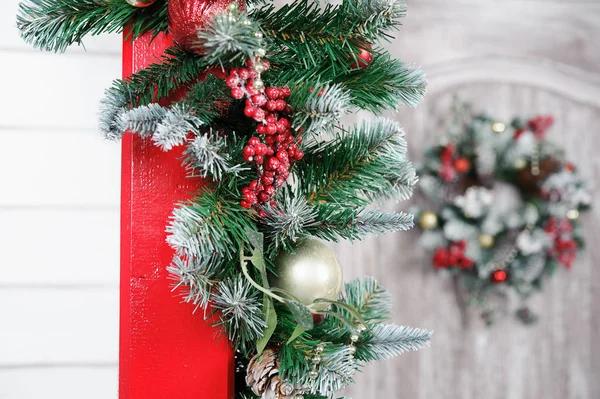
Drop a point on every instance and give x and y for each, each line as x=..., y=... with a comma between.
x=263, y=378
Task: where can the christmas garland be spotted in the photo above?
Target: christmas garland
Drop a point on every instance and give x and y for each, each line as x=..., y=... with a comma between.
x=507, y=208
x=264, y=91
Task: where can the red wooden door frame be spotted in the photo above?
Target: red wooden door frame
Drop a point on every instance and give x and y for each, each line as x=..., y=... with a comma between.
x=166, y=351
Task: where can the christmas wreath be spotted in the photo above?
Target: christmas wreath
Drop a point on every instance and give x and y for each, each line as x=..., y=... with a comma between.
x=261, y=92
x=507, y=207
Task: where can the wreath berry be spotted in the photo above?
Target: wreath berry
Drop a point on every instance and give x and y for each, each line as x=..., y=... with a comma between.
x=507, y=206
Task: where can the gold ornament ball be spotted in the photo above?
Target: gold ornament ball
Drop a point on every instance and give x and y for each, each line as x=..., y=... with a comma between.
x=573, y=214
x=486, y=240
x=520, y=163
x=140, y=3
x=428, y=220
x=498, y=127
x=311, y=272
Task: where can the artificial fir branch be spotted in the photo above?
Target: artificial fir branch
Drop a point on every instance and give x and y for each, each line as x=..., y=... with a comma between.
x=175, y=126
x=208, y=156
x=230, y=37
x=335, y=33
x=54, y=25
x=239, y=307
x=388, y=340
x=318, y=109
x=369, y=298
x=367, y=163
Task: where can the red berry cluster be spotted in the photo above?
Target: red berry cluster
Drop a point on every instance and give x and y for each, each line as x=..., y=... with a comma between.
x=276, y=147
x=453, y=256
x=450, y=165
x=565, y=247
x=538, y=125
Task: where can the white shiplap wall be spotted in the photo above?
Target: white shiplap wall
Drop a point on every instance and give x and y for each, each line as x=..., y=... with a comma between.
x=59, y=221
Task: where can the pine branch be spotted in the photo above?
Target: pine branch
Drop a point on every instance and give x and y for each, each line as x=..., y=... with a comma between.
x=239, y=306
x=388, y=340
x=329, y=34
x=230, y=38
x=174, y=69
x=288, y=220
x=113, y=105
x=208, y=99
x=209, y=156
x=196, y=278
x=318, y=109
x=175, y=126
x=369, y=298
x=366, y=163
x=209, y=228
x=336, y=371
x=142, y=120
x=54, y=25
x=333, y=223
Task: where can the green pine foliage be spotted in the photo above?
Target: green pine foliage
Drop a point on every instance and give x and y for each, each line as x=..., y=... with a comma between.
x=224, y=253
x=54, y=25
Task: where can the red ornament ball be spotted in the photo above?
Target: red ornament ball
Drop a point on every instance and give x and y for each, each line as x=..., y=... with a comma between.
x=364, y=58
x=499, y=276
x=462, y=165
x=187, y=16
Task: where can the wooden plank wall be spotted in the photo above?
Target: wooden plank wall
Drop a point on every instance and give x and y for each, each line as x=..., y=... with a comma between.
x=59, y=211
x=508, y=57
x=59, y=221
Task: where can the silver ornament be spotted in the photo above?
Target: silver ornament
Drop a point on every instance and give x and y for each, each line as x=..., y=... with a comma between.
x=311, y=272
x=354, y=338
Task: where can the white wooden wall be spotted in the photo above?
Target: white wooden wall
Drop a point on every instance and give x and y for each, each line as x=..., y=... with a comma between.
x=59, y=221
x=59, y=195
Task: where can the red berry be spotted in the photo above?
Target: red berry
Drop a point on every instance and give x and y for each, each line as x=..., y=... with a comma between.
x=259, y=114
x=285, y=92
x=270, y=152
x=270, y=190
x=250, y=89
x=267, y=65
x=280, y=105
x=232, y=82
x=271, y=105
x=282, y=155
x=261, y=149
x=253, y=184
x=262, y=213
x=245, y=204
x=299, y=155
x=244, y=73
x=248, y=153
x=269, y=173
x=237, y=93
x=258, y=158
x=263, y=197
x=272, y=93
x=272, y=163
x=270, y=140
x=271, y=128
x=253, y=141
x=267, y=180
x=259, y=99
x=250, y=111
x=271, y=118
x=261, y=129
x=246, y=190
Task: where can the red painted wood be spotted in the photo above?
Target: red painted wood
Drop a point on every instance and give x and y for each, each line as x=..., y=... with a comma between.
x=166, y=352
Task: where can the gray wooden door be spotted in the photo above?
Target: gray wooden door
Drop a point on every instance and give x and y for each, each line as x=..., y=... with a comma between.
x=508, y=57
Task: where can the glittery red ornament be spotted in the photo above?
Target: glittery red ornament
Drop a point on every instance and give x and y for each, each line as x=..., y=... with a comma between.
x=364, y=58
x=462, y=165
x=187, y=16
x=499, y=276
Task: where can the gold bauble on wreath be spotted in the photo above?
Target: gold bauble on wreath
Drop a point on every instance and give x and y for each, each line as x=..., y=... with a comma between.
x=140, y=3
x=428, y=220
x=486, y=240
x=310, y=272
